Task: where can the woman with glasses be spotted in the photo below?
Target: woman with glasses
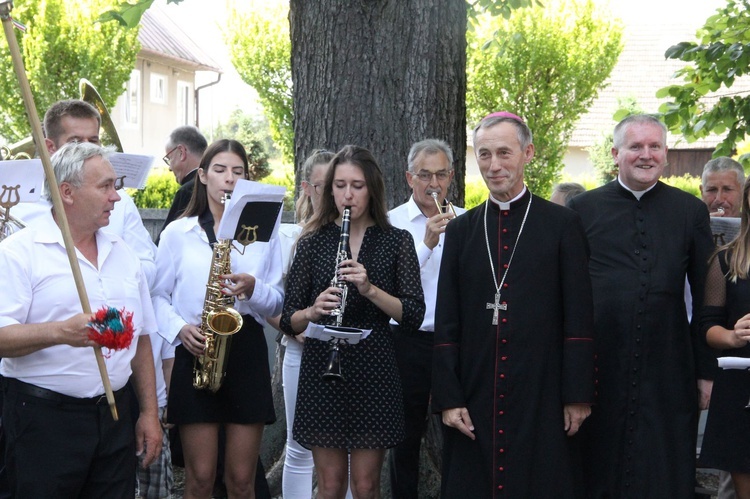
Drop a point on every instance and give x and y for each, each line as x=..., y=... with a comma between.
x=296, y=480
x=360, y=415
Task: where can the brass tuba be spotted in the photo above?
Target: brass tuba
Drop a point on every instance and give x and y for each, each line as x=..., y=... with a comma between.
x=26, y=149
x=219, y=322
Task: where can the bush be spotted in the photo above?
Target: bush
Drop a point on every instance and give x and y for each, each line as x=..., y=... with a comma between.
x=476, y=192
x=687, y=183
x=283, y=175
x=159, y=192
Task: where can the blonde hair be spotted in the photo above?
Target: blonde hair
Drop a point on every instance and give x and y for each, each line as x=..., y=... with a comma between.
x=738, y=251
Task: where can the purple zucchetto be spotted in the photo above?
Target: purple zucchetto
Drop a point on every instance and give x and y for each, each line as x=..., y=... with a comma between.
x=504, y=114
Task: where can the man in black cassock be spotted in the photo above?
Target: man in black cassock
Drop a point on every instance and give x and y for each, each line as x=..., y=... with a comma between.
x=513, y=366
x=645, y=238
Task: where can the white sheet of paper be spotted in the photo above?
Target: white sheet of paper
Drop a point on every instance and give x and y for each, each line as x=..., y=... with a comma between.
x=322, y=333
x=734, y=363
x=27, y=174
x=244, y=192
x=134, y=167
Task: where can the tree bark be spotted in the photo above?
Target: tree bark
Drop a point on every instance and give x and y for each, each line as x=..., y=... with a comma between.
x=381, y=74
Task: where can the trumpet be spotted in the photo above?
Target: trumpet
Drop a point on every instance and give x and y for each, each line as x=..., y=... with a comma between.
x=445, y=208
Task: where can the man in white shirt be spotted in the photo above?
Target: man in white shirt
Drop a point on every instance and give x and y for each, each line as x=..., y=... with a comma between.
x=55, y=414
x=430, y=170
x=721, y=187
x=78, y=121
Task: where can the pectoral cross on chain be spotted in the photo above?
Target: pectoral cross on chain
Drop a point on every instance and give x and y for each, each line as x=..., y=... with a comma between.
x=496, y=307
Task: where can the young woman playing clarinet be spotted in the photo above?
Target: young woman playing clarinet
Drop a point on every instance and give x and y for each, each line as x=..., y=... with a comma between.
x=362, y=412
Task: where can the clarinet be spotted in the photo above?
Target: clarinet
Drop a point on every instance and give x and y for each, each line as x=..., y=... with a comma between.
x=333, y=371
x=342, y=253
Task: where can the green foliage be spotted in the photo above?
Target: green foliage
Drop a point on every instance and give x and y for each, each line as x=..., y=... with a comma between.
x=720, y=54
x=62, y=45
x=159, y=192
x=500, y=7
x=476, y=192
x=242, y=128
x=283, y=175
x=687, y=183
x=600, y=153
x=546, y=65
x=128, y=14
x=260, y=48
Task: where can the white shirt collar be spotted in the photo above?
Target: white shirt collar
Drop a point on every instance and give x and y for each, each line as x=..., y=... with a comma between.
x=506, y=206
x=637, y=194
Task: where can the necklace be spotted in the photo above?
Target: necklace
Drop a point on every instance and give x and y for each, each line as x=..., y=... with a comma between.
x=497, y=306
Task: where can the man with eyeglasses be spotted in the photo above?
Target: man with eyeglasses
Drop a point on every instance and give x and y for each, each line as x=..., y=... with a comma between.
x=184, y=149
x=78, y=121
x=430, y=171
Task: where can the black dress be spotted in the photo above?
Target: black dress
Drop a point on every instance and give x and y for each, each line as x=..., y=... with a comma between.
x=726, y=442
x=365, y=411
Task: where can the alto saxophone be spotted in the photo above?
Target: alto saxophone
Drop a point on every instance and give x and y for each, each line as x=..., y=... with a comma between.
x=219, y=322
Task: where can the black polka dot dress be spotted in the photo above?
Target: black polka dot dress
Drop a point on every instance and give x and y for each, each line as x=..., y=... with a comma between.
x=365, y=410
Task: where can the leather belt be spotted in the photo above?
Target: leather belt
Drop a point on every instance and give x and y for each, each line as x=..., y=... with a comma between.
x=14, y=385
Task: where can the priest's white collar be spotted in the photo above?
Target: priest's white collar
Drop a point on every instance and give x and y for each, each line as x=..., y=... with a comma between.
x=506, y=206
x=637, y=194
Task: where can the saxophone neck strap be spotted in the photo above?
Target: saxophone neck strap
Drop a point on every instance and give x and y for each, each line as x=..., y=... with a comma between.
x=206, y=221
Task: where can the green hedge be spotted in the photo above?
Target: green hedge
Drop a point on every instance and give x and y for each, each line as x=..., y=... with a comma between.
x=159, y=192
x=161, y=187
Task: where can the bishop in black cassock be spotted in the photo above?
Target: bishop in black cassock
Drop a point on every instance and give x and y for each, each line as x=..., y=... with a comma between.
x=645, y=238
x=514, y=376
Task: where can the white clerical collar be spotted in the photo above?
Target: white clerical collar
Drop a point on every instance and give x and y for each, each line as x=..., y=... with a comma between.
x=637, y=194
x=506, y=206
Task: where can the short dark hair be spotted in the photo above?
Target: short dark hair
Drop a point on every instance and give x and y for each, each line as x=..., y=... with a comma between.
x=190, y=137
x=199, y=200
x=75, y=108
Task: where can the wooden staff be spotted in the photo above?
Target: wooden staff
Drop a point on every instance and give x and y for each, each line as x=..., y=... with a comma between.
x=36, y=130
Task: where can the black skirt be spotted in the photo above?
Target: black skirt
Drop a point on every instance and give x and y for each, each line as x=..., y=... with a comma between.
x=245, y=395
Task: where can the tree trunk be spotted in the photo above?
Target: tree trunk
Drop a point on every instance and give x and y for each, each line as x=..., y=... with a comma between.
x=381, y=74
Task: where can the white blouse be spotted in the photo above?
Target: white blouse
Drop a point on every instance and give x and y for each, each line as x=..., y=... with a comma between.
x=183, y=259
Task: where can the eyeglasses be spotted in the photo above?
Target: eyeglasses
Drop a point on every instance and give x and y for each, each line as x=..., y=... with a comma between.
x=318, y=188
x=119, y=183
x=166, y=156
x=426, y=176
